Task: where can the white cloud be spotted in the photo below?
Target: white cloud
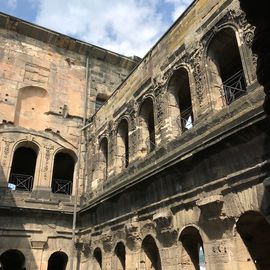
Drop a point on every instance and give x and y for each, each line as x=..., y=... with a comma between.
x=12, y=4
x=179, y=7
x=130, y=27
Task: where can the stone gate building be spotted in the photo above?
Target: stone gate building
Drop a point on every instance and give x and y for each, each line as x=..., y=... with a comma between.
x=112, y=162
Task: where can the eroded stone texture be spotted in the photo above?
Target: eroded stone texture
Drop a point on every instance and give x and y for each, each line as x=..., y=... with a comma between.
x=168, y=174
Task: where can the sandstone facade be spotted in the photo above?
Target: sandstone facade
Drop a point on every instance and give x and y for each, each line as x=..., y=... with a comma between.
x=170, y=173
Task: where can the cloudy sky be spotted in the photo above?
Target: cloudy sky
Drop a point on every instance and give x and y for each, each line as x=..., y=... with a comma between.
x=129, y=27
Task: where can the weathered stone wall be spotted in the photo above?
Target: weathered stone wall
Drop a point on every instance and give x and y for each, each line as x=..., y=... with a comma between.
x=45, y=93
x=185, y=46
x=44, y=88
x=158, y=194
x=37, y=235
x=198, y=189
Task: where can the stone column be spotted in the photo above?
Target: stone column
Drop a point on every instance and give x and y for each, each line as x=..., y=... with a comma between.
x=5, y=166
x=163, y=123
x=43, y=172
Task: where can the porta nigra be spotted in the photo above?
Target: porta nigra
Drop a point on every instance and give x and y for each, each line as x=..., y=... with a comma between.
x=120, y=163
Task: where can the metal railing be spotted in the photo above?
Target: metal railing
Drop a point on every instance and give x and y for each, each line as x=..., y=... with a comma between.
x=62, y=186
x=234, y=87
x=21, y=182
x=185, y=119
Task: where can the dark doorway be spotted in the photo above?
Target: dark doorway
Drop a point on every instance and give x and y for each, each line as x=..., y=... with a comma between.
x=58, y=261
x=120, y=253
x=23, y=169
x=63, y=170
x=180, y=104
x=147, y=125
x=255, y=233
x=97, y=259
x=150, y=258
x=12, y=260
x=225, y=62
x=192, y=256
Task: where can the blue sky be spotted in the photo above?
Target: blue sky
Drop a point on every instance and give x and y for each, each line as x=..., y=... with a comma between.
x=130, y=27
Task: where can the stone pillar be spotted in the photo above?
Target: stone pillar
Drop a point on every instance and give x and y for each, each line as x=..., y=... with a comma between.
x=111, y=149
x=162, y=123
x=43, y=175
x=5, y=166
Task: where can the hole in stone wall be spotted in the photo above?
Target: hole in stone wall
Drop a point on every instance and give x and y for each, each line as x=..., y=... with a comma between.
x=255, y=233
x=12, y=260
x=23, y=168
x=100, y=100
x=225, y=65
x=180, y=104
x=58, y=261
x=120, y=253
x=97, y=259
x=192, y=255
x=63, y=170
x=147, y=126
x=149, y=257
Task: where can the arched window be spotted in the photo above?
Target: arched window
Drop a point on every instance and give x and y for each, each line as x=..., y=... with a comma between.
x=103, y=158
x=180, y=104
x=12, y=259
x=192, y=255
x=63, y=170
x=32, y=104
x=147, y=126
x=100, y=100
x=122, y=153
x=149, y=257
x=58, y=261
x=120, y=254
x=226, y=74
x=23, y=167
x=97, y=259
x=255, y=233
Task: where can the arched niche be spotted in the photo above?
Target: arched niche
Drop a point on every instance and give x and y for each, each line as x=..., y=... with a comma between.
x=149, y=256
x=254, y=231
x=225, y=69
x=63, y=173
x=180, y=102
x=120, y=256
x=32, y=104
x=58, y=261
x=12, y=259
x=23, y=167
x=122, y=144
x=97, y=259
x=192, y=251
x=147, y=127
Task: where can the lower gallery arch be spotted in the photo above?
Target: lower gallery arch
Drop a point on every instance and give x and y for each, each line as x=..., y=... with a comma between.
x=255, y=233
x=149, y=257
x=58, y=261
x=192, y=254
x=120, y=256
x=12, y=259
x=97, y=259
